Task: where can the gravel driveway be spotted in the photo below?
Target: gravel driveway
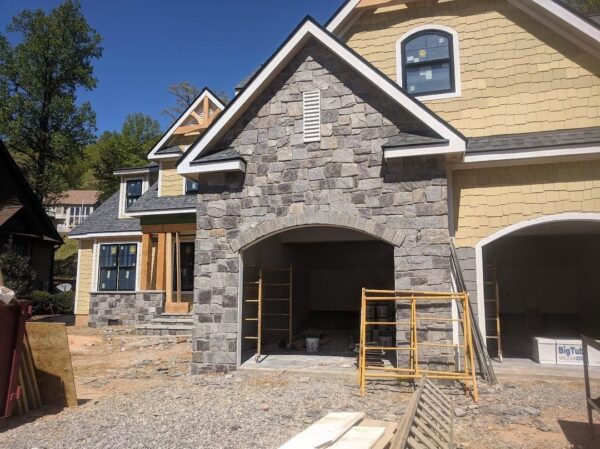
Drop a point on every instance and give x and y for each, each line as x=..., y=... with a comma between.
x=239, y=411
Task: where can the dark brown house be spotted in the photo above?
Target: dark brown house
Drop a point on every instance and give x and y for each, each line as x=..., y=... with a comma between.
x=24, y=223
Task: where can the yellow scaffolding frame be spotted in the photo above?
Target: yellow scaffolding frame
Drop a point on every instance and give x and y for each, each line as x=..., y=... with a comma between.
x=260, y=300
x=413, y=371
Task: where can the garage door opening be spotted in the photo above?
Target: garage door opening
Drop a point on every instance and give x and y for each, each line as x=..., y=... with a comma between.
x=329, y=267
x=547, y=285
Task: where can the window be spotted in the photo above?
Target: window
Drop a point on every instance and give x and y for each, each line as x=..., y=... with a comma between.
x=191, y=186
x=133, y=190
x=312, y=116
x=78, y=214
x=427, y=63
x=186, y=256
x=117, y=267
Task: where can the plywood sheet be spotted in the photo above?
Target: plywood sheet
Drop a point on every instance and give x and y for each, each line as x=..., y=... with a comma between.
x=324, y=432
x=359, y=437
x=52, y=359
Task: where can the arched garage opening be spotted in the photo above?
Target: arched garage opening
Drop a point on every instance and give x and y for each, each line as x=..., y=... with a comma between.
x=330, y=265
x=545, y=276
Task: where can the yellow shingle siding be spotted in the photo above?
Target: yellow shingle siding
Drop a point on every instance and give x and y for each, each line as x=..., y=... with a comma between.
x=517, y=74
x=489, y=199
x=171, y=183
x=84, y=279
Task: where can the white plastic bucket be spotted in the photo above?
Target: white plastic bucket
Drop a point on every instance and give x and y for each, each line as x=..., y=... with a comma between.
x=312, y=344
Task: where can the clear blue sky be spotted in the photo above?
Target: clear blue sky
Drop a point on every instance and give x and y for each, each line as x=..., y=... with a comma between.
x=151, y=44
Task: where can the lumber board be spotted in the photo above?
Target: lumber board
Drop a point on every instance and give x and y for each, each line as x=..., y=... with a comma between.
x=52, y=359
x=324, y=432
x=390, y=430
x=359, y=437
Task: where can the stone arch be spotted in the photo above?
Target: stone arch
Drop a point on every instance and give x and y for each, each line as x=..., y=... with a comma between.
x=336, y=219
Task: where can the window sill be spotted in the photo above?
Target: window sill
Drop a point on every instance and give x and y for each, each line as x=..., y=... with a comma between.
x=429, y=97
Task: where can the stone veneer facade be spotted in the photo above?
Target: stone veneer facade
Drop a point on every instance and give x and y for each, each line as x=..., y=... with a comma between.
x=341, y=180
x=124, y=307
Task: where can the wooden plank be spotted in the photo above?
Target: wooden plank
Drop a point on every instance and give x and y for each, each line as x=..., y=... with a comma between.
x=388, y=435
x=52, y=359
x=365, y=4
x=160, y=261
x=359, y=437
x=324, y=432
x=182, y=228
x=146, y=274
x=169, y=269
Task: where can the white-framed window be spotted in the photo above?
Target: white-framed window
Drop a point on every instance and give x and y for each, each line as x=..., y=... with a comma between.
x=133, y=190
x=312, y=116
x=117, y=266
x=191, y=186
x=428, y=62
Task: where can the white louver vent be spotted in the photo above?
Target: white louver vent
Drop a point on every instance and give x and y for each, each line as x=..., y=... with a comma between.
x=312, y=116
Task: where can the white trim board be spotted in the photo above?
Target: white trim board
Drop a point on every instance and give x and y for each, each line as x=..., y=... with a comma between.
x=569, y=216
x=455, y=60
x=106, y=234
x=214, y=167
x=532, y=154
x=418, y=151
x=307, y=30
x=163, y=212
x=204, y=94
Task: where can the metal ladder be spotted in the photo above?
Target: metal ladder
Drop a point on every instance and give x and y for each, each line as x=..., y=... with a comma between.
x=258, y=287
x=492, y=313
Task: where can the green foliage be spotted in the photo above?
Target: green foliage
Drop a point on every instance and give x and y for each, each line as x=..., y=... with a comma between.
x=65, y=260
x=587, y=7
x=127, y=148
x=40, y=302
x=17, y=272
x=40, y=119
x=44, y=303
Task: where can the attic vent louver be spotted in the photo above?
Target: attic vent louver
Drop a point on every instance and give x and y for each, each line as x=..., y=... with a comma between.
x=312, y=116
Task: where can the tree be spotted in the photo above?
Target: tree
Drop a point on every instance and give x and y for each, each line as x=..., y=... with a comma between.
x=185, y=94
x=16, y=270
x=587, y=7
x=126, y=148
x=39, y=76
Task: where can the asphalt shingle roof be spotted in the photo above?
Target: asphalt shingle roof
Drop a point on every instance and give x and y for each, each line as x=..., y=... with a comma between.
x=150, y=201
x=406, y=140
x=537, y=140
x=105, y=218
x=224, y=155
x=169, y=150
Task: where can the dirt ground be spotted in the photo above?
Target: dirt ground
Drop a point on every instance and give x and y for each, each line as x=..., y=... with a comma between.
x=136, y=391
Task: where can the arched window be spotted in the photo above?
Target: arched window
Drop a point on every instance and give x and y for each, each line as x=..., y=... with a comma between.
x=427, y=63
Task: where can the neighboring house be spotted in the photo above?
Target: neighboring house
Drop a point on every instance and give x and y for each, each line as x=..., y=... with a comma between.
x=24, y=223
x=72, y=207
x=359, y=149
x=131, y=246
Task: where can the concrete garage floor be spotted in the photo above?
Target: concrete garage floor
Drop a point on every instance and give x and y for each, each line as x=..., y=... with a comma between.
x=530, y=369
x=302, y=362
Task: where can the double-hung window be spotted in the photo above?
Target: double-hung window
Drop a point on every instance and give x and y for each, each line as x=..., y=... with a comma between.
x=117, y=267
x=133, y=190
x=428, y=63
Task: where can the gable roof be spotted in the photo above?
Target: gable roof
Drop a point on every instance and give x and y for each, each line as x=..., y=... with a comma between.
x=105, y=219
x=158, y=152
x=554, y=14
x=79, y=197
x=152, y=204
x=25, y=197
x=310, y=29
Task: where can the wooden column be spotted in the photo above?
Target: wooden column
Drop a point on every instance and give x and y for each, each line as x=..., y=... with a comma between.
x=160, y=262
x=146, y=278
x=169, y=269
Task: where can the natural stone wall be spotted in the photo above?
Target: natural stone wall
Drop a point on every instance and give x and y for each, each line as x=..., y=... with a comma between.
x=290, y=183
x=124, y=307
x=466, y=258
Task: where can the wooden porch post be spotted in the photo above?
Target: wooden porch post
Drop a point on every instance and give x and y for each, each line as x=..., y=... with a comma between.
x=146, y=261
x=160, y=262
x=169, y=270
